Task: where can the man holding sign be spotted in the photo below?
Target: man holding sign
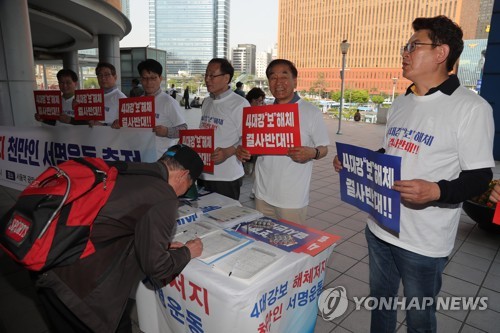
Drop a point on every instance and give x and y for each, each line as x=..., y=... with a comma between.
x=282, y=181
x=223, y=111
x=68, y=82
x=169, y=118
x=107, y=77
x=444, y=135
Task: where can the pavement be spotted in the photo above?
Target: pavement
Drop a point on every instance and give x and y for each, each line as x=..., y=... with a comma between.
x=473, y=268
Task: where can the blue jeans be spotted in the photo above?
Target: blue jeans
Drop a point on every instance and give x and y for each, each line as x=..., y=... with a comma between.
x=421, y=276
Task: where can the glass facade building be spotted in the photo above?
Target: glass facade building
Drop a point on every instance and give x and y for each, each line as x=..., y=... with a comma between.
x=130, y=57
x=471, y=62
x=191, y=31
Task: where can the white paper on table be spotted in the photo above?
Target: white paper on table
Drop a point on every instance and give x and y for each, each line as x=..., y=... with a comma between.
x=210, y=201
x=247, y=263
x=220, y=243
x=193, y=230
x=228, y=217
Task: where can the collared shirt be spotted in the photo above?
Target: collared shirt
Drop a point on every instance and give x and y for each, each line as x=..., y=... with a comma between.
x=294, y=100
x=156, y=93
x=224, y=94
x=110, y=89
x=447, y=87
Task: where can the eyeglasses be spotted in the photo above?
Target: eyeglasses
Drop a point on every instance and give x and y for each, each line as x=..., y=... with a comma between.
x=105, y=75
x=212, y=76
x=410, y=47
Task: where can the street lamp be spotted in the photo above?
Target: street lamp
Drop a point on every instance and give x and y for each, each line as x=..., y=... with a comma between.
x=344, y=46
x=394, y=81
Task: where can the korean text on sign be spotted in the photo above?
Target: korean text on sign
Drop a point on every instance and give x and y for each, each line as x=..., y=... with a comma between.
x=89, y=104
x=202, y=142
x=366, y=180
x=271, y=129
x=137, y=112
x=48, y=104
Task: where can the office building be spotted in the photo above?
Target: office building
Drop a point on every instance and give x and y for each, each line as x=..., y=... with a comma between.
x=131, y=57
x=243, y=58
x=192, y=32
x=484, y=19
x=310, y=33
x=125, y=7
x=472, y=61
x=262, y=59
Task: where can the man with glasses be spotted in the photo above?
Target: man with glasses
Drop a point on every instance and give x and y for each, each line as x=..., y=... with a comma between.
x=106, y=77
x=169, y=118
x=68, y=81
x=223, y=111
x=452, y=128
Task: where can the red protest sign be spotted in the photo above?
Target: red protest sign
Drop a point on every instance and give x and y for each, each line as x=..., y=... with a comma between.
x=48, y=104
x=89, y=104
x=496, y=216
x=271, y=129
x=202, y=142
x=138, y=112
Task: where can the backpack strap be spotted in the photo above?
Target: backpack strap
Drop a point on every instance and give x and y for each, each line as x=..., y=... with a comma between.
x=100, y=175
x=126, y=168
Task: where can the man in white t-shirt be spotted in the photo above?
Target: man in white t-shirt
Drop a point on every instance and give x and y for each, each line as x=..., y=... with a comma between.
x=68, y=81
x=450, y=130
x=169, y=117
x=223, y=111
x=107, y=77
x=282, y=182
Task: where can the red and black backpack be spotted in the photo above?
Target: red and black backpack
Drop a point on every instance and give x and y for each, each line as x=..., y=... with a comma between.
x=51, y=222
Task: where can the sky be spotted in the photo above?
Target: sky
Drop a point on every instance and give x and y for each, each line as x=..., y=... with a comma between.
x=251, y=22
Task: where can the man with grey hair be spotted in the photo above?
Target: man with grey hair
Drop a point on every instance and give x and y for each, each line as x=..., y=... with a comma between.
x=282, y=182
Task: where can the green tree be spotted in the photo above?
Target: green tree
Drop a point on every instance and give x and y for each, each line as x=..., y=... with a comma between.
x=360, y=96
x=319, y=85
x=90, y=83
x=378, y=99
x=335, y=96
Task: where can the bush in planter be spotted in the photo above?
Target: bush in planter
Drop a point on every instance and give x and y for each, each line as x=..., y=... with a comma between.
x=481, y=209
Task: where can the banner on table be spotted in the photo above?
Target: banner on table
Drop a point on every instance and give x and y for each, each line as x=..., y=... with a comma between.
x=202, y=142
x=27, y=151
x=366, y=181
x=271, y=129
x=199, y=300
x=89, y=104
x=287, y=235
x=137, y=112
x=48, y=104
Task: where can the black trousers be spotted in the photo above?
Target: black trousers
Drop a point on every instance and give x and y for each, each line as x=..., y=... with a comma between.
x=62, y=320
x=228, y=188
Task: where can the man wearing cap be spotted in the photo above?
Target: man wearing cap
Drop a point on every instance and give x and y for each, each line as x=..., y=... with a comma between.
x=133, y=236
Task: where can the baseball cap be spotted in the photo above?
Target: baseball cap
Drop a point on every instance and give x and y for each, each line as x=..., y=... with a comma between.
x=188, y=158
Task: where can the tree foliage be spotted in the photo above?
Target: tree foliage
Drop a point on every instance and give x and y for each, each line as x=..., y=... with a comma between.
x=319, y=86
x=351, y=96
x=378, y=99
x=90, y=83
x=359, y=96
